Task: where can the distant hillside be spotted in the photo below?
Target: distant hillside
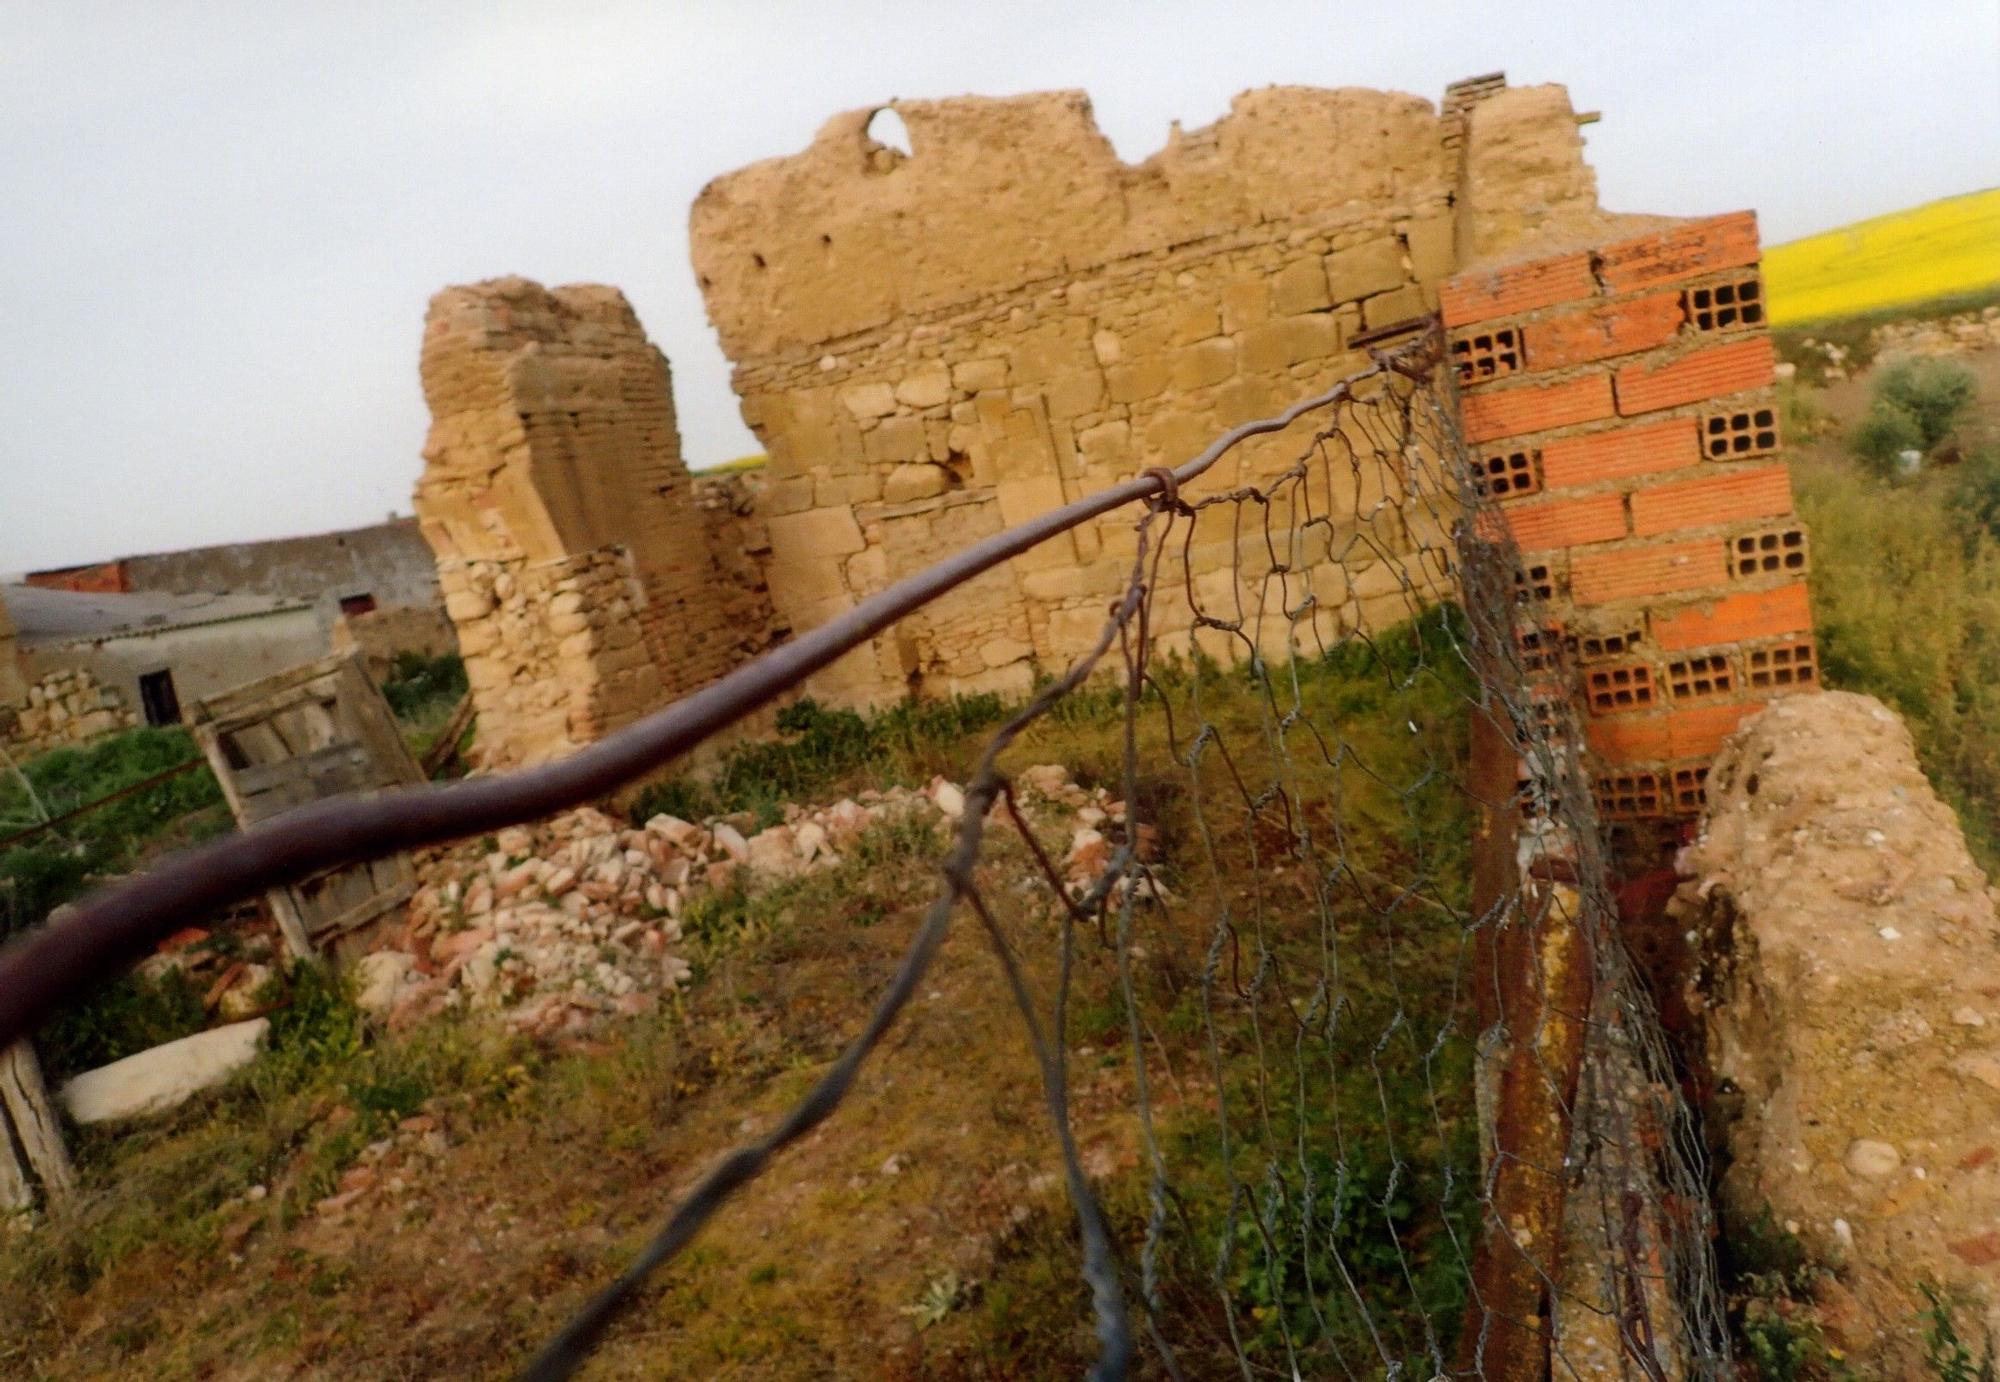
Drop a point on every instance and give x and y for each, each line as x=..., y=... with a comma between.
x=1930, y=251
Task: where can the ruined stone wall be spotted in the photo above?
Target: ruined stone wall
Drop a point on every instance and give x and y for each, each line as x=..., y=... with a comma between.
x=13, y=681
x=933, y=348
x=570, y=549
x=60, y=709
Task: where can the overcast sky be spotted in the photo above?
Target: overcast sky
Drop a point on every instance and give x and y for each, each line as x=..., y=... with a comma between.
x=219, y=224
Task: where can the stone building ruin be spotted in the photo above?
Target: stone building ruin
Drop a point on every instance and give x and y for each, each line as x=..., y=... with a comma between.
x=575, y=561
x=936, y=345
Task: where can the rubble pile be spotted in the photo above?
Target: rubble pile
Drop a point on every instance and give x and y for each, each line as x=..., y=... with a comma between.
x=1956, y=335
x=557, y=925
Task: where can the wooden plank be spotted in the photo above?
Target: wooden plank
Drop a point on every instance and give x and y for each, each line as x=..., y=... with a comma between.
x=364, y=913
x=252, y=698
x=25, y=1099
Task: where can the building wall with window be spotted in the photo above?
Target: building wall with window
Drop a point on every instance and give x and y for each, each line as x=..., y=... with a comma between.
x=385, y=567
x=178, y=666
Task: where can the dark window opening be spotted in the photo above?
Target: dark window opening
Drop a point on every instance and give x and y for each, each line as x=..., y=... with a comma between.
x=351, y=605
x=157, y=695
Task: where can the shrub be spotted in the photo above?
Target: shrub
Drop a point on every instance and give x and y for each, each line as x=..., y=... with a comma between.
x=1883, y=434
x=1934, y=394
x=418, y=683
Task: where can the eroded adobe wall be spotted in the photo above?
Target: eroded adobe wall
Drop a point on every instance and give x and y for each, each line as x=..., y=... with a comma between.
x=937, y=346
x=571, y=552
x=1619, y=396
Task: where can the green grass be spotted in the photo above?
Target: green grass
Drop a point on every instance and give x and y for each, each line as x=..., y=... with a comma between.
x=1351, y=1135
x=1906, y=607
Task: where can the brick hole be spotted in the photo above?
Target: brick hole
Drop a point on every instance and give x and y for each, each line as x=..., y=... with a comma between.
x=1738, y=432
x=1787, y=664
x=1631, y=796
x=1538, y=649
x=1535, y=582
x=1615, y=689
x=1487, y=355
x=1725, y=306
x=1770, y=552
x=1691, y=788
x=1509, y=474
x=1595, y=646
x=1705, y=674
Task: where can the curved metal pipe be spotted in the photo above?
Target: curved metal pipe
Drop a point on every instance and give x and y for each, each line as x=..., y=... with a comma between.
x=113, y=928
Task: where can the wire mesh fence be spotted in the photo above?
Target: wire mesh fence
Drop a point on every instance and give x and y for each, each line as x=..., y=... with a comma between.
x=1346, y=1070
x=1397, y=1102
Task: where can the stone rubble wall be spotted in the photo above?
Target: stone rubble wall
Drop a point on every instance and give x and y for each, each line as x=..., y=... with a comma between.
x=571, y=550
x=1849, y=1002
x=62, y=709
x=937, y=347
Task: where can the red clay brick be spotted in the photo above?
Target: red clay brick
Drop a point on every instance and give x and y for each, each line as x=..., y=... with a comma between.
x=1567, y=522
x=1484, y=294
x=1720, y=242
x=1763, y=491
x=1734, y=618
x=1629, y=738
x=1536, y=408
x=1699, y=731
x=1618, y=454
x=1723, y=369
x=1598, y=333
x=1599, y=577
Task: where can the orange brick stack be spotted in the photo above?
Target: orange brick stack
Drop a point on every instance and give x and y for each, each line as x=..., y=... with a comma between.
x=1619, y=404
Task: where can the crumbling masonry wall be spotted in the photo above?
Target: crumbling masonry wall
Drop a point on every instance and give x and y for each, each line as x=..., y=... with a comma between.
x=935, y=347
x=573, y=558
x=1619, y=394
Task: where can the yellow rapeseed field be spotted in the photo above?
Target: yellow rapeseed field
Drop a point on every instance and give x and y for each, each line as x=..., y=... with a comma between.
x=1930, y=251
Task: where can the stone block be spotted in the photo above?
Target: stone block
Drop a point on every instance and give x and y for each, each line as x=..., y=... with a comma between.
x=1300, y=287
x=816, y=533
x=1204, y=363
x=926, y=386
x=1246, y=302
x=976, y=376
x=869, y=400
x=896, y=439
x=911, y=482
x=1142, y=379
x=1374, y=266
x=1028, y=497
x=1397, y=305
x=1432, y=257
x=1286, y=341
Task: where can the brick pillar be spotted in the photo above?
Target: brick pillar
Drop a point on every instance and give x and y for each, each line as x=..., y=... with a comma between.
x=1619, y=402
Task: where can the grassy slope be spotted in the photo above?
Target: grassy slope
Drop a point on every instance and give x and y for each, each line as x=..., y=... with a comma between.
x=1940, y=249
x=561, y=1159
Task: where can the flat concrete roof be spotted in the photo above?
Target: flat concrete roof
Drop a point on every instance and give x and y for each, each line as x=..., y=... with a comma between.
x=68, y=616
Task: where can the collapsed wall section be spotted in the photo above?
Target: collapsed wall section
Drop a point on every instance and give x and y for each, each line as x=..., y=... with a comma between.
x=936, y=346
x=1618, y=394
x=570, y=548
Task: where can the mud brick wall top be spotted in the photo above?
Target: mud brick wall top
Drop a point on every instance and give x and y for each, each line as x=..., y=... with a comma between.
x=1619, y=399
